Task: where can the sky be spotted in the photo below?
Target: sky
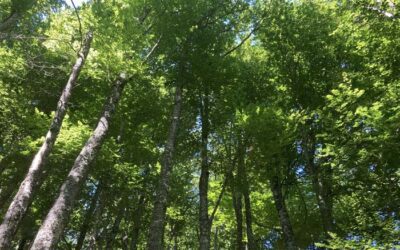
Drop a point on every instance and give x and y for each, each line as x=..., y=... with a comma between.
x=77, y=2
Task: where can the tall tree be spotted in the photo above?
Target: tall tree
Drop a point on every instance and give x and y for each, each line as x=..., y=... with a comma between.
x=28, y=187
x=53, y=226
x=155, y=240
x=204, y=220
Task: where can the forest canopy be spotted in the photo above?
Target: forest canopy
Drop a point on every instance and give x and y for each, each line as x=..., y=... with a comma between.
x=198, y=124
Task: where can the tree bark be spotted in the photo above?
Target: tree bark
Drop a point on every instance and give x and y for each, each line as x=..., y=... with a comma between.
x=204, y=220
x=216, y=245
x=136, y=223
x=95, y=235
x=53, y=226
x=244, y=185
x=88, y=218
x=115, y=228
x=323, y=189
x=249, y=222
x=155, y=240
x=29, y=185
x=283, y=214
x=237, y=207
x=322, y=185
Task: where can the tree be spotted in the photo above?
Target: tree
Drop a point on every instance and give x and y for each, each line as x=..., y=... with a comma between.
x=28, y=187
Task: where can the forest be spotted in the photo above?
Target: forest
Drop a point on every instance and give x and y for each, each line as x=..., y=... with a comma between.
x=199, y=124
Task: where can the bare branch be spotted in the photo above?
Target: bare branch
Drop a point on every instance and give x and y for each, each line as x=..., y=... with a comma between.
x=80, y=23
x=223, y=188
x=152, y=49
x=239, y=45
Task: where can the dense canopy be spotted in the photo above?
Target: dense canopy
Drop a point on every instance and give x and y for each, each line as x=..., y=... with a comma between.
x=229, y=124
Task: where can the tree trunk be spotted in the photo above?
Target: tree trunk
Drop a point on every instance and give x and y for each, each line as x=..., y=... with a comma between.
x=136, y=223
x=322, y=185
x=249, y=221
x=29, y=185
x=95, y=235
x=53, y=226
x=155, y=240
x=204, y=221
x=115, y=227
x=216, y=246
x=323, y=192
x=88, y=218
x=244, y=185
x=237, y=205
x=283, y=214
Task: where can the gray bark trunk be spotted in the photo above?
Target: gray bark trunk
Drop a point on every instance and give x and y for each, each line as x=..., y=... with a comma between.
x=95, y=235
x=204, y=221
x=216, y=246
x=237, y=207
x=53, y=226
x=155, y=240
x=322, y=188
x=249, y=222
x=283, y=214
x=88, y=218
x=136, y=223
x=27, y=189
x=115, y=228
x=244, y=184
x=322, y=185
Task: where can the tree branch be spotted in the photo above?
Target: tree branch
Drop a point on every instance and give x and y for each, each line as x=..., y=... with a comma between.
x=80, y=23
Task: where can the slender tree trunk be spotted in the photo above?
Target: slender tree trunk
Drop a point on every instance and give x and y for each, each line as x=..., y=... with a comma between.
x=115, y=228
x=237, y=205
x=322, y=185
x=136, y=223
x=53, y=226
x=175, y=243
x=244, y=184
x=323, y=191
x=249, y=221
x=155, y=240
x=204, y=221
x=88, y=218
x=216, y=247
x=29, y=185
x=283, y=214
x=96, y=229
x=2, y=165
